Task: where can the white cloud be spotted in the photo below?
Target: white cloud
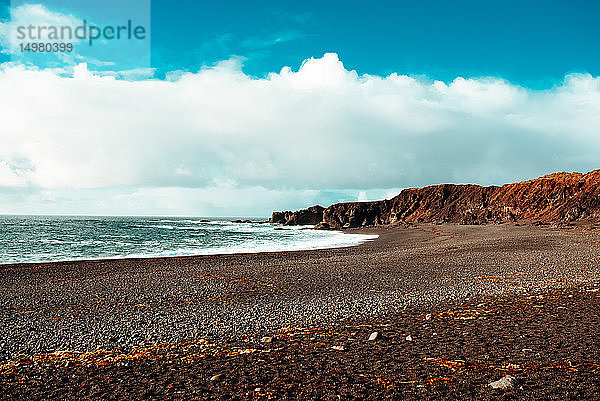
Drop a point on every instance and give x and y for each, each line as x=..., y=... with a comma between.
x=9, y=176
x=316, y=129
x=260, y=42
x=38, y=16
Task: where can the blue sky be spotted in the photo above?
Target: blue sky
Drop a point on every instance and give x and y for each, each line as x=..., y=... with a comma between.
x=250, y=107
x=533, y=43
x=530, y=43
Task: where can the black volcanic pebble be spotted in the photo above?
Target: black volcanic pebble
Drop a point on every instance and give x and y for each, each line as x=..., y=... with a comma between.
x=389, y=285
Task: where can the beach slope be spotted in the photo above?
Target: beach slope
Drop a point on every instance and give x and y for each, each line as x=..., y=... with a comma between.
x=455, y=308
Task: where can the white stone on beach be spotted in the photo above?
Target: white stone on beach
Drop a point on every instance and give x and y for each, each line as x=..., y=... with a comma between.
x=505, y=383
x=217, y=377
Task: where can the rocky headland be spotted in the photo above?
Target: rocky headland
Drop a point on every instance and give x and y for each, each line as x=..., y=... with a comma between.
x=560, y=198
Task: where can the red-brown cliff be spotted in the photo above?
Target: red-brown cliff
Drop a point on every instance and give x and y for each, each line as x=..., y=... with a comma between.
x=558, y=198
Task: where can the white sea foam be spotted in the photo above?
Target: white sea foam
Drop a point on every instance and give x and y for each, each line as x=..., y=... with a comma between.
x=33, y=241
x=333, y=239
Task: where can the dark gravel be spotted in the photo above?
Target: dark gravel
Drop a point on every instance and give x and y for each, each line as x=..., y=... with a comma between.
x=161, y=328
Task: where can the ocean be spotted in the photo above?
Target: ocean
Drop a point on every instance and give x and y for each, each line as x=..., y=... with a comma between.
x=34, y=239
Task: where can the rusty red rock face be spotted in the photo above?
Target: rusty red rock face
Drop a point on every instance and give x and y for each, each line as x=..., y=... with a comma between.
x=554, y=198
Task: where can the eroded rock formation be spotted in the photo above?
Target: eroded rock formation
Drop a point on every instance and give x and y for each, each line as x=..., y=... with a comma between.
x=558, y=197
x=312, y=215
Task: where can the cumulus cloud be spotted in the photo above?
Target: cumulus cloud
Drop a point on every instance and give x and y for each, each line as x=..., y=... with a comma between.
x=318, y=129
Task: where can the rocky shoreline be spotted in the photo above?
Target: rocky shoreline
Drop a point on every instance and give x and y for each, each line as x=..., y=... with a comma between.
x=538, y=346
x=560, y=198
x=296, y=324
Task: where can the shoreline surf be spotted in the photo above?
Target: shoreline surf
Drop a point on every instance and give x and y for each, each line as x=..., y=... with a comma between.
x=48, y=239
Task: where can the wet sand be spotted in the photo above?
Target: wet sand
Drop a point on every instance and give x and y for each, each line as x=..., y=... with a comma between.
x=478, y=302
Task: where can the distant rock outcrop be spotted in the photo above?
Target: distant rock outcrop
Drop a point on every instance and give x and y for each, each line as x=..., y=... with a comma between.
x=312, y=215
x=559, y=197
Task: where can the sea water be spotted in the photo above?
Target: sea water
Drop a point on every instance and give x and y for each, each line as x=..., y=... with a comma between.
x=62, y=238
